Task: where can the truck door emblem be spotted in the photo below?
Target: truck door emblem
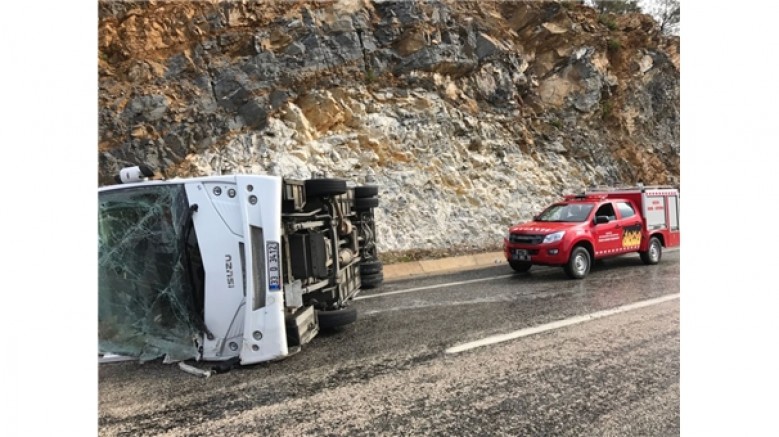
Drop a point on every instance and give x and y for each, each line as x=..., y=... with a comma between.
x=631, y=236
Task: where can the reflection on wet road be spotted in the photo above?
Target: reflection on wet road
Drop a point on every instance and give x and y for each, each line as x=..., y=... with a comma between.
x=389, y=373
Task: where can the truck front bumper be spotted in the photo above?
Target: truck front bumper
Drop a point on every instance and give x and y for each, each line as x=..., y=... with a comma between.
x=550, y=254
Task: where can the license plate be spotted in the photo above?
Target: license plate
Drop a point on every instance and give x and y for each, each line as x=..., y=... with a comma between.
x=274, y=263
x=520, y=255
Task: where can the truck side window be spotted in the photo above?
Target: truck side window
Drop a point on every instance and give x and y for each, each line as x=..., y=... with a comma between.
x=625, y=210
x=607, y=210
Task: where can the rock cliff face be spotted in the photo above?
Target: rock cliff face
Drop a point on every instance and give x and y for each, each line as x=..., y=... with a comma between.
x=471, y=115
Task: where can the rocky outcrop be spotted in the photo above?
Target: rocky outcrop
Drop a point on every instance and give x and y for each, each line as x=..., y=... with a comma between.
x=471, y=115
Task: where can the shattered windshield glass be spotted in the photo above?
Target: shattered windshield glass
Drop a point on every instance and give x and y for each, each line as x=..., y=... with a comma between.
x=146, y=286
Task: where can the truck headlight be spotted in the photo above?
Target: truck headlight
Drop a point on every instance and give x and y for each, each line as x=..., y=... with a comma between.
x=551, y=238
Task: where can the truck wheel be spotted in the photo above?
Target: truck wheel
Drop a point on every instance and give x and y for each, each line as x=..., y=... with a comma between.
x=325, y=187
x=335, y=318
x=520, y=266
x=371, y=268
x=365, y=203
x=654, y=253
x=578, y=264
x=372, y=281
x=366, y=191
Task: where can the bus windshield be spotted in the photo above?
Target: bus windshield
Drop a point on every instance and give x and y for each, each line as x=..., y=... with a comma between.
x=146, y=291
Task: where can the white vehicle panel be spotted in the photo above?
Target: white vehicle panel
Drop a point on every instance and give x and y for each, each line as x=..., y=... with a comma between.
x=673, y=211
x=224, y=284
x=264, y=330
x=223, y=196
x=654, y=211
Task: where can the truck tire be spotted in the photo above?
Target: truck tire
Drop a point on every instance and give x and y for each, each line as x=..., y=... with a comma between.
x=371, y=268
x=578, y=264
x=653, y=253
x=336, y=318
x=365, y=204
x=520, y=266
x=325, y=187
x=372, y=281
x=364, y=191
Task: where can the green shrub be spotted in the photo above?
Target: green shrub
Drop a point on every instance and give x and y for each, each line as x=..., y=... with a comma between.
x=614, y=45
x=606, y=108
x=608, y=22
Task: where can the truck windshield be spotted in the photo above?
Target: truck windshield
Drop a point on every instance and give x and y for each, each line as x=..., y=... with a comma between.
x=566, y=212
x=146, y=305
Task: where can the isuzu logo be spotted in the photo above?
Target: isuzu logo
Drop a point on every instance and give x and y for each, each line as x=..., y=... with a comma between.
x=229, y=270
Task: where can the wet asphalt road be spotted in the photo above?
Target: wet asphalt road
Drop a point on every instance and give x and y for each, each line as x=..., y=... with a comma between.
x=388, y=374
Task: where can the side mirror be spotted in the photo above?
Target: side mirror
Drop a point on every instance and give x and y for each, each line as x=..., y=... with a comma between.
x=601, y=219
x=133, y=174
x=535, y=218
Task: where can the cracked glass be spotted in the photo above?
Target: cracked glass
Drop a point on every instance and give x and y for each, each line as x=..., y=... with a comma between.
x=149, y=273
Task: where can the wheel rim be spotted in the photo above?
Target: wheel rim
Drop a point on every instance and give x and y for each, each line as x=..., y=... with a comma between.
x=580, y=264
x=654, y=251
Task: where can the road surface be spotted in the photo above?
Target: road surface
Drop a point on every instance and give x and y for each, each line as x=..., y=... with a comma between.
x=482, y=352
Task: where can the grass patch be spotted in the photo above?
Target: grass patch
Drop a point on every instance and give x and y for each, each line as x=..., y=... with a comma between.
x=608, y=22
x=613, y=45
x=370, y=76
x=606, y=109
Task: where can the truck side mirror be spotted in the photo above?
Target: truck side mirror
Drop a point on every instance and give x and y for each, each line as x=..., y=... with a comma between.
x=601, y=219
x=535, y=218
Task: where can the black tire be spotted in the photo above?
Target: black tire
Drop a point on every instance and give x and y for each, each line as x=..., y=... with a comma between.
x=372, y=281
x=371, y=268
x=335, y=318
x=366, y=203
x=578, y=264
x=654, y=252
x=325, y=187
x=366, y=191
x=520, y=266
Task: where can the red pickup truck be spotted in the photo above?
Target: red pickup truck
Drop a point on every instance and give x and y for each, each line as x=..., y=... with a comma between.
x=596, y=225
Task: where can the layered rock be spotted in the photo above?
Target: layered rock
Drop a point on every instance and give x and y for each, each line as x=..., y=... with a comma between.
x=471, y=115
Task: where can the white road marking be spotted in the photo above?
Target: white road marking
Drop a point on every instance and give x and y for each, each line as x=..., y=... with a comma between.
x=493, y=339
x=448, y=284
x=430, y=287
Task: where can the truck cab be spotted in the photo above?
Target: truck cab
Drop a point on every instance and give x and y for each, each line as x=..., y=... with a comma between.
x=244, y=268
x=579, y=229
